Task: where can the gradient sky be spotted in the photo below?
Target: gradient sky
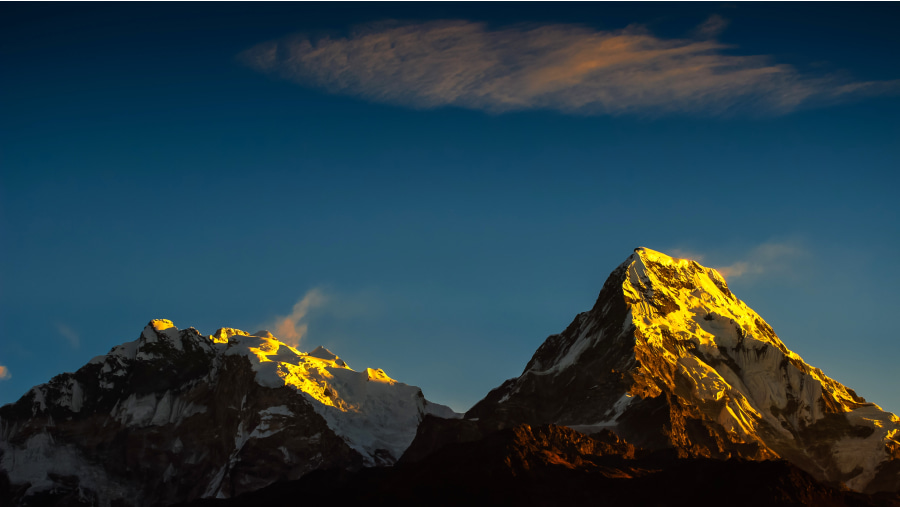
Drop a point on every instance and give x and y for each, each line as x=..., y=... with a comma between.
x=442, y=186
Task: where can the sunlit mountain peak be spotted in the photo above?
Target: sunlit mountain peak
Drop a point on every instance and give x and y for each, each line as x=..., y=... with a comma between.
x=222, y=334
x=227, y=413
x=323, y=353
x=346, y=398
x=667, y=337
x=161, y=324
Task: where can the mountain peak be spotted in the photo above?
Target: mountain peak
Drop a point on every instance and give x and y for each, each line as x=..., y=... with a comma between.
x=176, y=415
x=157, y=327
x=669, y=357
x=649, y=256
x=668, y=268
x=655, y=256
x=323, y=353
x=161, y=324
x=224, y=333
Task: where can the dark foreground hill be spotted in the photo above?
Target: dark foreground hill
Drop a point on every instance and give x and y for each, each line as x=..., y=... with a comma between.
x=554, y=465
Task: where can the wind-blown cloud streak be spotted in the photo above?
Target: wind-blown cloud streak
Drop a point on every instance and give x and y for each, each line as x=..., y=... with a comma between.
x=292, y=328
x=70, y=336
x=767, y=258
x=772, y=258
x=567, y=68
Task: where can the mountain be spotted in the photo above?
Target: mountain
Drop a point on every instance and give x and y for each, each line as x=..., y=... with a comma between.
x=552, y=465
x=668, y=357
x=175, y=415
x=670, y=390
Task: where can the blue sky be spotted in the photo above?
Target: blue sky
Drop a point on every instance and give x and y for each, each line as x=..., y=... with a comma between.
x=445, y=184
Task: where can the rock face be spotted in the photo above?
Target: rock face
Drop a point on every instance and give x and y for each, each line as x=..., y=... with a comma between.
x=176, y=415
x=669, y=357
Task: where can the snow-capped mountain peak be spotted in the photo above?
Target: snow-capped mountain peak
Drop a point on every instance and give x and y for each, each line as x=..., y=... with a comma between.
x=323, y=353
x=176, y=415
x=669, y=357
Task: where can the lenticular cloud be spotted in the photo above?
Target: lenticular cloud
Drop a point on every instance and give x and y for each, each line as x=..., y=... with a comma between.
x=568, y=68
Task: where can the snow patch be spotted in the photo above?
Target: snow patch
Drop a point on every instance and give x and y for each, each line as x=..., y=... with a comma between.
x=140, y=411
x=442, y=411
x=867, y=453
x=706, y=382
x=212, y=489
x=612, y=417
x=40, y=456
x=271, y=421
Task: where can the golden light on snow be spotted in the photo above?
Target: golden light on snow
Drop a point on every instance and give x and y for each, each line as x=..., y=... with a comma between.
x=694, y=301
x=369, y=408
x=162, y=324
x=320, y=374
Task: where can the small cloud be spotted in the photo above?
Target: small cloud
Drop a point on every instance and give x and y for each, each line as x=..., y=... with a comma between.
x=291, y=328
x=70, y=335
x=768, y=258
x=686, y=254
x=4, y=373
x=711, y=28
x=572, y=69
x=737, y=270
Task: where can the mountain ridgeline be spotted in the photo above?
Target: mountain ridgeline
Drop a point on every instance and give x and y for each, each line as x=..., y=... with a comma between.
x=175, y=415
x=669, y=383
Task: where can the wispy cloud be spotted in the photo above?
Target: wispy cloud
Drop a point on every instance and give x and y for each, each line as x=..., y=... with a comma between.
x=292, y=328
x=4, y=373
x=768, y=258
x=69, y=335
x=568, y=68
x=711, y=28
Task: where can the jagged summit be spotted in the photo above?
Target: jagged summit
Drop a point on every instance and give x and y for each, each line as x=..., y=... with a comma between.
x=669, y=357
x=161, y=324
x=223, y=333
x=175, y=415
x=323, y=353
x=656, y=256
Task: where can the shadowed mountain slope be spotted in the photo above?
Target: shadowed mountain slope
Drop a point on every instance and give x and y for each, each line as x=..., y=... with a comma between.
x=557, y=466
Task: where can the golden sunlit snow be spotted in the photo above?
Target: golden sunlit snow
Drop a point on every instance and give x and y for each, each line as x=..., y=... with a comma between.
x=683, y=312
